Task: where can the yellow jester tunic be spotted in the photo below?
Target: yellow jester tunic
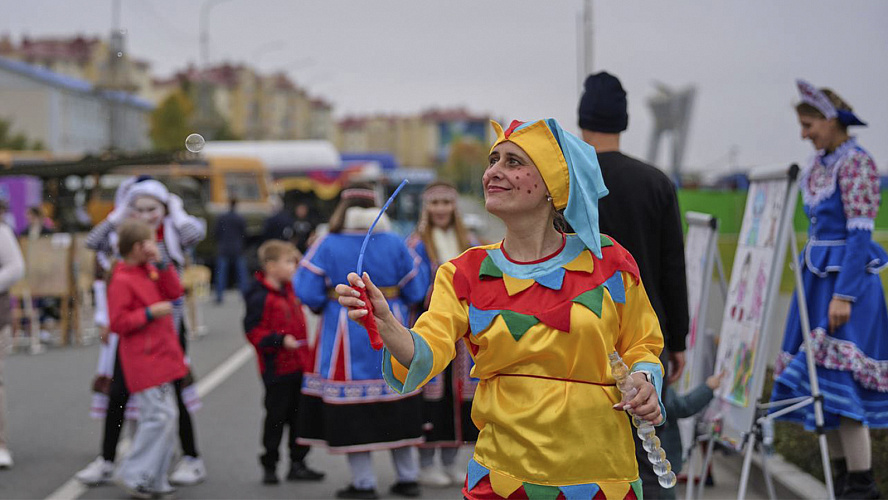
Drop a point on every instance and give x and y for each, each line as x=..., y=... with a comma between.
x=540, y=333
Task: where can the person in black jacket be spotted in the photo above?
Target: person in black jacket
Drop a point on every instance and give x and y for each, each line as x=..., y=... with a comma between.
x=642, y=213
x=231, y=237
x=297, y=227
x=278, y=226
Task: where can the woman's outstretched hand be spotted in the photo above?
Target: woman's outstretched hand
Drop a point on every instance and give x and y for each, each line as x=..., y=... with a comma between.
x=396, y=338
x=646, y=403
x=349, y=298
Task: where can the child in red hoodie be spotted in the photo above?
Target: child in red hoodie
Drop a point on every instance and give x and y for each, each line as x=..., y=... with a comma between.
x=140, y=307
x=275, y=325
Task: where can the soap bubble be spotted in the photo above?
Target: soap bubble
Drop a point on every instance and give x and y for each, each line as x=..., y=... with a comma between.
x=194, y=143
x=644, y=432
x=662, y=468
x=651, y=443
x=656, y=455
x=667, y=480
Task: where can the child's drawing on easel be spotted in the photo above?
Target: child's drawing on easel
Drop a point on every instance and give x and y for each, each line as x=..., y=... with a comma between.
x=742, y=371
x=760, y=202
x=758, y=291
x=774, y=217
x=738, y=294
x=726, y=365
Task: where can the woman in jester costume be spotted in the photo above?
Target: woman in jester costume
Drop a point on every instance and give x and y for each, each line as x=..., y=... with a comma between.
x=539, y=312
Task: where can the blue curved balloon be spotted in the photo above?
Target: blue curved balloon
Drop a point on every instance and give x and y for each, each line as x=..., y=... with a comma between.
x=372, y=226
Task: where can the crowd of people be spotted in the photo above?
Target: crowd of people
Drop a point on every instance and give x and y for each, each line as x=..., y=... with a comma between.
x=502, y=345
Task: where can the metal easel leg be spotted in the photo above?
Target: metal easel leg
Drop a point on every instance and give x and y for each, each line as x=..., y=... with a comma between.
x=707, y=461
x=824, y=456
x=812, y=368
x=747, y=465
x=769, y=482
x=33, y=323
x=689, y=486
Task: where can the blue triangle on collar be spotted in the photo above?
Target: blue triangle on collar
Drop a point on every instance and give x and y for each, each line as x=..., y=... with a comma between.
x=552, y=280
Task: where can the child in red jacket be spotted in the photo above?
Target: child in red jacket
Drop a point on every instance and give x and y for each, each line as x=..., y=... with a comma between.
x=275, y=325
x=140, y=307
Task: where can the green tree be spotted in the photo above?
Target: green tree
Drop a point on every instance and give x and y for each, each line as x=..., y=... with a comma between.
x=171, y=122
x=465, y=164
x=18, y=141
x=224, y=132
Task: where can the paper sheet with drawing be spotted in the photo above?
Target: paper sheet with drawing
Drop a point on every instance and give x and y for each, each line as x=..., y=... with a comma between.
x=754, y=283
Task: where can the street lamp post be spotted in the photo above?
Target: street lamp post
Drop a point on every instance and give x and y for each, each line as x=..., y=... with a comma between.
x=585, y=41
x=205, y=31
x=203, y=118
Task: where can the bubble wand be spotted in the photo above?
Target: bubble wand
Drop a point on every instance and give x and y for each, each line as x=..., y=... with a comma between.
x=368, y=321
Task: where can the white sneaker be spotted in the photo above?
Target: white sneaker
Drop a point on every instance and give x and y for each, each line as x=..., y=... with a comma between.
x=433, y=478
x=5, y=458
x=456, y=474
x=99, y=471
x=189, y=471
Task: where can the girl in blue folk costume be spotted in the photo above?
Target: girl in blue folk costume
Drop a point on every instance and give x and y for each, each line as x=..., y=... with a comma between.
x=348, y=407
x=846, y=303
x=447, y=399
x=540, y=312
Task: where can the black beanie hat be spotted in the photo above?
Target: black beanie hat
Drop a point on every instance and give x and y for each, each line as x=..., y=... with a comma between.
x=603, y=104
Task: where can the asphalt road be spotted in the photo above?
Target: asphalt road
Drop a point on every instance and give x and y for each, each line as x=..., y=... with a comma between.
x=52, y=436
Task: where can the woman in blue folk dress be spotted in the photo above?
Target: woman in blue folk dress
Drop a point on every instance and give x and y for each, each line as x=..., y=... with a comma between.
x=347, y=405
x=844, y=295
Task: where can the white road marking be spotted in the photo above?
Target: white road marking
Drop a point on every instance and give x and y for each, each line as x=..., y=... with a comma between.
x=74, y=489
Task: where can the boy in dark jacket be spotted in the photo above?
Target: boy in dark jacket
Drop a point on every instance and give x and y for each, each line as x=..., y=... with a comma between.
x=275, y=325
x=140, y=308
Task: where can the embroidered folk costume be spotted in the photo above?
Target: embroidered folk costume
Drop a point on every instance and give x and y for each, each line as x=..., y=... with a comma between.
x=539, y=333
x=352, y=408
x=447, y=397
x=841, y=195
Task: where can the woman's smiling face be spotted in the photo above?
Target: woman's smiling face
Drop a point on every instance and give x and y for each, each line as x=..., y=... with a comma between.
x=512, y=183
x=821, y=132
x=441, y=212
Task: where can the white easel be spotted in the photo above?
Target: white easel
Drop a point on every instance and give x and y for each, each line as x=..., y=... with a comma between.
x=711, y=259
x=753, y=435
x=790, y=405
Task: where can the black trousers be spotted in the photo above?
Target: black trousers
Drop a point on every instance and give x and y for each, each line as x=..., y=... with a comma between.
x=281, y=409
x=118, y=396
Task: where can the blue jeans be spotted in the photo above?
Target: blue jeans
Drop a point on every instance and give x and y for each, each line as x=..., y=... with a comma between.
x=243, y=279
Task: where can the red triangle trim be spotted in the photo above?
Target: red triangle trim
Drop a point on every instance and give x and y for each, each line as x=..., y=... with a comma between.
x=512, y=126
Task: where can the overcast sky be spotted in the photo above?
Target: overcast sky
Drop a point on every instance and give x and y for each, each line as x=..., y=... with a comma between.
x=518, y=58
